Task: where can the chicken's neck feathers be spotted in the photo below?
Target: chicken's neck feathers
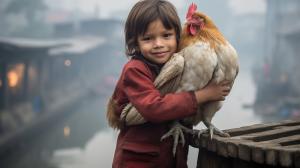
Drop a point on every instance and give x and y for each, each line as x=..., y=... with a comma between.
x=212, y=36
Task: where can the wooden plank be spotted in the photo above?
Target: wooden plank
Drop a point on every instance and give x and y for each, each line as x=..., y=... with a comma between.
x=258, y=154
x=228, y=147
x=203, y=142
x=272, y=134
x=232, y=148
x=212, y=145
x=260, y=127
x=258, y=150
x=232, y=144
x=297, y=159
x=286, y=156
x=209, y=144
x=195, y=142
x=271, y=156
x=285, y=141
x=261, y=154
x=244, y=151
x=275, y=144
x=222, y=146
x=293, y=146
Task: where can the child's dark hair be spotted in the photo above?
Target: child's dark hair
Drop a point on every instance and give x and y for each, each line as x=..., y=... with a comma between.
x=142, y=14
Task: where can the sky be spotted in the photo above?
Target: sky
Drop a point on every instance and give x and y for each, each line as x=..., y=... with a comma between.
x=106, y=7
x=246, y=6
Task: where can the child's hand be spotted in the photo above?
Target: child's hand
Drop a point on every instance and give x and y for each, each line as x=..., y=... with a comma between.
x=213, y=92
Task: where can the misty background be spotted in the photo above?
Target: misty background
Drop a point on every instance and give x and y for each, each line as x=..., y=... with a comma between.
x=60, y=60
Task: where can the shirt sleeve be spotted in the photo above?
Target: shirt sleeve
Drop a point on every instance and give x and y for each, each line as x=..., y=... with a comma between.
x=153, y=106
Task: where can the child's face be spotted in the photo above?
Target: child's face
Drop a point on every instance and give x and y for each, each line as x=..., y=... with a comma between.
x=158, y=44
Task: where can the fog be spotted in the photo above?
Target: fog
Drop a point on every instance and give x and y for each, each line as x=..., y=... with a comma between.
x=109, y=8
x=67, y=56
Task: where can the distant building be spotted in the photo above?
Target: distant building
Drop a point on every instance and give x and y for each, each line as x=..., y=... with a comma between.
x=283, y=39
x=39, y=76
x=278, y=77
x=102, y=27
x=23, y=64
x=64, y=29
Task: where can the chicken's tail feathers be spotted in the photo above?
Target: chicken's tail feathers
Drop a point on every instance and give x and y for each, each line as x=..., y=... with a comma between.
x=111, y=115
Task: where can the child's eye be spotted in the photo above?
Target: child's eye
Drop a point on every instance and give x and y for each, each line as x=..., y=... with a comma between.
x=167, y=35
x=146, y=38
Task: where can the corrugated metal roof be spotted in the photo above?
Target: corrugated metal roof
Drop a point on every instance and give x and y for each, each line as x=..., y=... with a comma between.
x=54, y=47
x=78, y=45
x=27, y=43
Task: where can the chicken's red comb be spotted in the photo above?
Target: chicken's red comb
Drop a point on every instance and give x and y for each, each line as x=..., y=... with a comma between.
x=191, y=11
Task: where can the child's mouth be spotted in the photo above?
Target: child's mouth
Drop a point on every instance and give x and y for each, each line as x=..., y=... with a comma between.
x=160, y=54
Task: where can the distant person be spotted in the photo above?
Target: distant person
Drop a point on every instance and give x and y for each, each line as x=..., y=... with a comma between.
x=152, y=33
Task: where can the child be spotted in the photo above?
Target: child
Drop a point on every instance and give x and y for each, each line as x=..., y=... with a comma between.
x=152, y=33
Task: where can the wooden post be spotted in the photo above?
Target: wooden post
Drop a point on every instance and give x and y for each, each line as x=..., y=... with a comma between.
x=4, y=88
x=25, y=86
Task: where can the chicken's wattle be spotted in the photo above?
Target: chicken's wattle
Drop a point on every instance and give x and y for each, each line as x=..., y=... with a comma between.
x=192, y=29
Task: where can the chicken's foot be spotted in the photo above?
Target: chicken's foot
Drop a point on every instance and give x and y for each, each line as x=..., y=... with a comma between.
x=214, y=130
x=176, y=131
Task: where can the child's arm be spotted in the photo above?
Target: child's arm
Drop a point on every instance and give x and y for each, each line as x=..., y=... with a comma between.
x=154, y=107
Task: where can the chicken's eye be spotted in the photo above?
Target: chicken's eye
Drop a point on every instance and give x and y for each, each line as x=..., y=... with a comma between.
x=198, y=18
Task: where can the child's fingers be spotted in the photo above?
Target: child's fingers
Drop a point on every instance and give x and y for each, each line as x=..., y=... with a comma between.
x=225, y=82
x=226, y=89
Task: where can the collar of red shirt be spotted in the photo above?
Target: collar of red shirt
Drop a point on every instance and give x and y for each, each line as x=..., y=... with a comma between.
x=154, y=67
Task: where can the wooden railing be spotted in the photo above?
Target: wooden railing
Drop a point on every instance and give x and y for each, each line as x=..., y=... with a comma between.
x=260, y=145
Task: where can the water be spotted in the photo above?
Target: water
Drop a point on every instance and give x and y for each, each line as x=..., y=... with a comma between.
x=83, y=140
x=80, y=140
x=98, y=152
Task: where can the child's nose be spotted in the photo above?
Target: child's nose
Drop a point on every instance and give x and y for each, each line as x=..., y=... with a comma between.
x=158, y=42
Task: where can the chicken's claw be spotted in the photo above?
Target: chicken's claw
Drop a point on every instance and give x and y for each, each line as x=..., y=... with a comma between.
x=214, y=130
x=211, y=132
x=177, y=132
x=218, y=132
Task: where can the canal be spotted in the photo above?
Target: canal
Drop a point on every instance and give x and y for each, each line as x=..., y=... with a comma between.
x=79, y=140
x=82, y=139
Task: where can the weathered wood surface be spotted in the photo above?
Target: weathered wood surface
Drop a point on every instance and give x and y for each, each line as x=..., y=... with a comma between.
x=275, y=144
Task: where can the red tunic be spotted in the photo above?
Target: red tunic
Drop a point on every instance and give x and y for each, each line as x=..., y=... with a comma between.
x=140, y=146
